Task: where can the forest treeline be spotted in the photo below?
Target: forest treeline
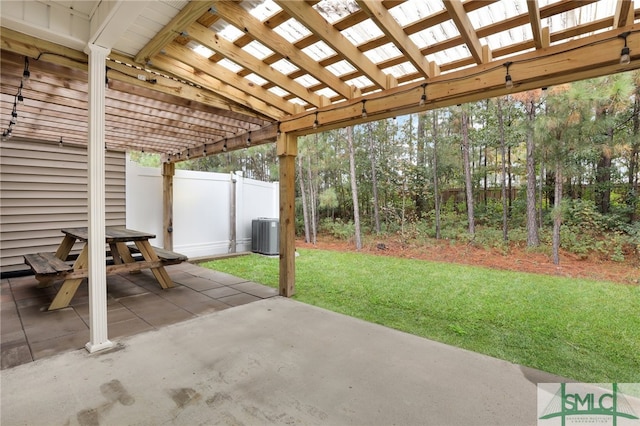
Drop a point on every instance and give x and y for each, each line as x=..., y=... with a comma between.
x=555, y=168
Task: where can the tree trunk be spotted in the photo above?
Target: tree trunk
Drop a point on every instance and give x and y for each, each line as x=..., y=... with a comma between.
x=509, y=177
x=354, y=187
x=421, y=161
x=485, y=177
x=436, y=187
x=603, y=178
x=312, y=199
x=557, y=212
x=632, y=198
x=305, y=212
x=467, y=171
x=540, y=194
x=503, y=183
x=533, y=238
x=374, y=181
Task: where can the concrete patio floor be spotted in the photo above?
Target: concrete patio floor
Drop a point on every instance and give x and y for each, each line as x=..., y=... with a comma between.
x=273, y=361
x=136, y=303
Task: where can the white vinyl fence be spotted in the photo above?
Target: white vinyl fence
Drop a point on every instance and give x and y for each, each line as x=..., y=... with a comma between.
x=202, y=208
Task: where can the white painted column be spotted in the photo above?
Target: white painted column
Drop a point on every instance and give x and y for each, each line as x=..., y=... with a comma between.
x=96, y=146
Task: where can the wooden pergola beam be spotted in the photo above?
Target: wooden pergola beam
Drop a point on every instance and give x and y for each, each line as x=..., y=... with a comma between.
x=257, y=30
x=534, y=19
x=189, y=14
x=383, y=19
x=467, y=32
x=32, y=47
x=578, y=59
x=624, y=13
x=212, y=41
x=315, y=23
x=227, y=83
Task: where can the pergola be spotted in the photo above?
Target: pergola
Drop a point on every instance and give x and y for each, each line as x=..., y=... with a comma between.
x=188, y=79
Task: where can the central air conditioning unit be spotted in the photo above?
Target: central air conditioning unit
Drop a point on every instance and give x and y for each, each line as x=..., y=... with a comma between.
x=264, y=236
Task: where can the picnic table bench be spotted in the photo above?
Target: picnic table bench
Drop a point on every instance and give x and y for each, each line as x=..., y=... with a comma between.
x=125, y=258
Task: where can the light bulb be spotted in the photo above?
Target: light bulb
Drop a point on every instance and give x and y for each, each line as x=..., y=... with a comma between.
x=508, y=83
x=625, y=57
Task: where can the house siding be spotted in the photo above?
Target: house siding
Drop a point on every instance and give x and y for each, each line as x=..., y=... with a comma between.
x=43, y=188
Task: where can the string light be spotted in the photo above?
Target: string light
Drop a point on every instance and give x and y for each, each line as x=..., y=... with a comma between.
x=625, y=53
x=19, y=95
x=224, y=147
x=106, y=77
x=315, y=122
x=26, y=73
x=278, y=131
x=423, y=98
x=14, y=115
x=13, y=121
x=508, y=82
x=364, y=109
x=249, y=139
x=60, y=143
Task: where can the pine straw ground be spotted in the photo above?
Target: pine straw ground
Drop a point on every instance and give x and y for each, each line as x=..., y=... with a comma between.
x=516, y=259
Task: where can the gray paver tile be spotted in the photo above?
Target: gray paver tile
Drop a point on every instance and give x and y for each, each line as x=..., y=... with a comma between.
x=218, y=293
x=256, y=289
x=239, y=299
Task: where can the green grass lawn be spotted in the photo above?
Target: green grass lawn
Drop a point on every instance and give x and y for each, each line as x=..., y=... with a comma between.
x=580, y=329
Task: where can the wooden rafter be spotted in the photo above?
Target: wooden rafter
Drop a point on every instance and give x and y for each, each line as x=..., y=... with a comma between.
x=536, y=27
x=304, y=13
x=467, y=32
x=395, y=33
x=232, y=52
x=202, y=71
x=255, y=29
x=189, y=14
x=624, y=13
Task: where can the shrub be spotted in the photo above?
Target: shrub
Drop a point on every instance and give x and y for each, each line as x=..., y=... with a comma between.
x=337, y=228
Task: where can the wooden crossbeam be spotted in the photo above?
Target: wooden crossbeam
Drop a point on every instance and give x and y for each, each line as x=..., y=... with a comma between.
x=189, y=14
x=255, y=29
x=304, y=13
x=467, y=32
x=232, y=52
x=575, y=60
x=227, y=83
x=396, y=34
x=534, y=20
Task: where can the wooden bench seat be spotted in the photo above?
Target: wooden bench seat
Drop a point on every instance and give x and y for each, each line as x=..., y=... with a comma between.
x=167, y=256
x=46, y=264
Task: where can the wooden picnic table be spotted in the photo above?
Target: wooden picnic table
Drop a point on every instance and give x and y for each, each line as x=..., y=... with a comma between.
x=50, y=266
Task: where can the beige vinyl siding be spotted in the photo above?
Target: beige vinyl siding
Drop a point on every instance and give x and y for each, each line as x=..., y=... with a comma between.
x=43, y=188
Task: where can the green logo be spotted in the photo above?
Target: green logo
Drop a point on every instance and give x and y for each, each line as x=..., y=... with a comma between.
x=590, y=404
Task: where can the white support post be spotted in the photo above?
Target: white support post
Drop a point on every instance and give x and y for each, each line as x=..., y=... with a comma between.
x=98, y=339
